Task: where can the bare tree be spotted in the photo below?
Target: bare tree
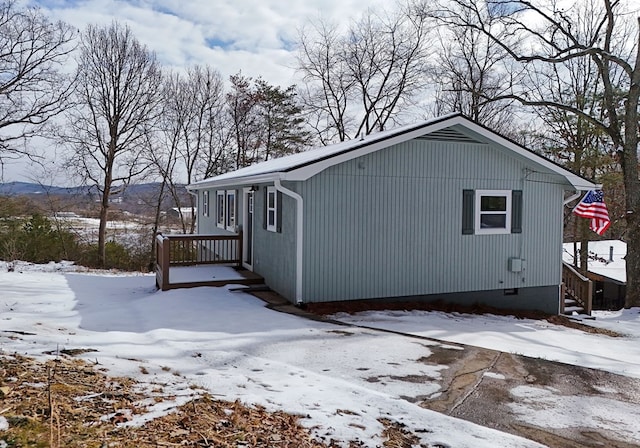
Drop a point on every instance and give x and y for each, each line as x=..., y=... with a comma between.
x=360, y=81
x=387, y=56
x=33, y=85
x=328, y=81
x=469, y=68
x=118, y=96
x=540, y=34
x=190, y=128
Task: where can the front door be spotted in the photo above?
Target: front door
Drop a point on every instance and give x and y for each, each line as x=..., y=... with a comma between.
x=247, y=230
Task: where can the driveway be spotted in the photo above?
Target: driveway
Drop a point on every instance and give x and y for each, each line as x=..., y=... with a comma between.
x=556, y=404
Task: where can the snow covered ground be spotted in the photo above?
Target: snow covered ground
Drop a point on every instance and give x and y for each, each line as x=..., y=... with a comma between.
x=230, y=344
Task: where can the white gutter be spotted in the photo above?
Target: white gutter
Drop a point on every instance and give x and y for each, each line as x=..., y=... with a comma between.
x=299, y=229
x=579, y=193
x=573, y=197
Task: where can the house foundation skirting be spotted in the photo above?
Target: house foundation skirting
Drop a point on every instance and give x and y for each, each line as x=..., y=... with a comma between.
x=545, y=299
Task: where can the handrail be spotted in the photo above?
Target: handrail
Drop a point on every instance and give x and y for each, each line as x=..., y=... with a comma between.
x=578, y=287
x=187, y=250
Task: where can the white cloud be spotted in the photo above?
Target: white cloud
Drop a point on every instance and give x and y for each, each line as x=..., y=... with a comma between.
x=256, y=37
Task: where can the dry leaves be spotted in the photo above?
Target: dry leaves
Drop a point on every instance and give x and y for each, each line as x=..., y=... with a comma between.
x=67, y=403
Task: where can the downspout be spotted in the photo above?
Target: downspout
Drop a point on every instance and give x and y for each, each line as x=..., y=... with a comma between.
x=299, y=228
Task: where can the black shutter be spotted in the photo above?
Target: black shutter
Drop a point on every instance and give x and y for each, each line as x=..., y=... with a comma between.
x=279, y=212
x=265, y=204
x=468, y=224
x=516, y=211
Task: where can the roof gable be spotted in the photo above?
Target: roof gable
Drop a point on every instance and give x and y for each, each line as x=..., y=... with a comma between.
x=302, y=166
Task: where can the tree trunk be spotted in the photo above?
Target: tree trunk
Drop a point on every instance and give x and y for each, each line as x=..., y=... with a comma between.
x=632, y=259
x=102, y=229
x=632, y=184
x=583, y=226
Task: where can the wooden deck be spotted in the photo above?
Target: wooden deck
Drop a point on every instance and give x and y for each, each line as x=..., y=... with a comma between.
x=189, y=261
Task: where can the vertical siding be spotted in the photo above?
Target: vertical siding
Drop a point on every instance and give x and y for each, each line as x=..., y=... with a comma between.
x=207, y=225
x=389, y=224
x=274, y=253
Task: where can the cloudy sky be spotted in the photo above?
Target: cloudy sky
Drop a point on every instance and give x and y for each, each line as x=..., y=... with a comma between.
x=257, y=37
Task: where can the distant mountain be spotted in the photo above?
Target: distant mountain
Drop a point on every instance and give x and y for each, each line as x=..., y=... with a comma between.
x=27, y=188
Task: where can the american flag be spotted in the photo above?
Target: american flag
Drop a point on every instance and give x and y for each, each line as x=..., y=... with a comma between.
x=592, y=206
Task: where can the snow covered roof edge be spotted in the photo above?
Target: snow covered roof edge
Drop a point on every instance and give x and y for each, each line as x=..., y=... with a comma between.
x=303, y=165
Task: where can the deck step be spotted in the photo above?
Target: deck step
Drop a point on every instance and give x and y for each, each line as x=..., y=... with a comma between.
x=569, y=310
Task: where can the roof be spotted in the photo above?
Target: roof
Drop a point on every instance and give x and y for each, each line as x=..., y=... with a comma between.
x=599, y=261
x=302, y=166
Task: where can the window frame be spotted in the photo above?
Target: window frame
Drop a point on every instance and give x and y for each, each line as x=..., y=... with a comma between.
x=205, y=203
x=220, y=209
x=230, y=210
x=271, y=227
x=478, y=212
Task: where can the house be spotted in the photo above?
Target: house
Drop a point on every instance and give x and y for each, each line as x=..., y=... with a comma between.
x=606, y=268
x=440, y=210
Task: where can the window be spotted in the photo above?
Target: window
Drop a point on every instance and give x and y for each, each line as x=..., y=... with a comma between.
x=493, y=211
x=272, y=210
x=231, y=210
x=205, y=203
x=486, y=212
x=220, y=209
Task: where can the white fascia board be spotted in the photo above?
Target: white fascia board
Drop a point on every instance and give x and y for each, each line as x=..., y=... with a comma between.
x=305, y=172
x=576, y=181
x=234, y=181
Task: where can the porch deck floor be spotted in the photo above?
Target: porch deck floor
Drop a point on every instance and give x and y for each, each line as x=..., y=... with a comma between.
x=210, y=275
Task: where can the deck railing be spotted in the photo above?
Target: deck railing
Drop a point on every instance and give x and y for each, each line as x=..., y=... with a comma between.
x=188, y=250
x=578, y=287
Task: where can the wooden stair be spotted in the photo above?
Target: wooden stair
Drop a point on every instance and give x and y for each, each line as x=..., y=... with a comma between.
x=577, y=291
x=572, y=307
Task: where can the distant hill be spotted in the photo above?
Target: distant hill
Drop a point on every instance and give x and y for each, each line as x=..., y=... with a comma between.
x=28, y=189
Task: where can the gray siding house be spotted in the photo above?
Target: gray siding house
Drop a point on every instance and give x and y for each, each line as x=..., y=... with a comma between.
x=440, y=210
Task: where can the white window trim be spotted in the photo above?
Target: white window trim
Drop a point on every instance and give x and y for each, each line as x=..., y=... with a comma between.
x=220, y=212
x=274, y=227
x=478, y=212
x=230, y=225
x=205, y=203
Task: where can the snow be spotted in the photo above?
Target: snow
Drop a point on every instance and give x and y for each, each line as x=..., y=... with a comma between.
x=202, y=273
x=340, y=379
x=599, y=262
x=528, y=337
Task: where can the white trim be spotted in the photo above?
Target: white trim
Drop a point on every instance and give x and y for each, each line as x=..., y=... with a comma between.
x=230, y=212
x=272, y=227
x=479, y=230
x=299, y=235
x=205, y=203
x=220, y=211
x=247, y=198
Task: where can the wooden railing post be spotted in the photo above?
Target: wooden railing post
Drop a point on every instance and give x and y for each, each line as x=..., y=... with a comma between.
x=588, y=305
x=166, y=257
x=239, y=247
